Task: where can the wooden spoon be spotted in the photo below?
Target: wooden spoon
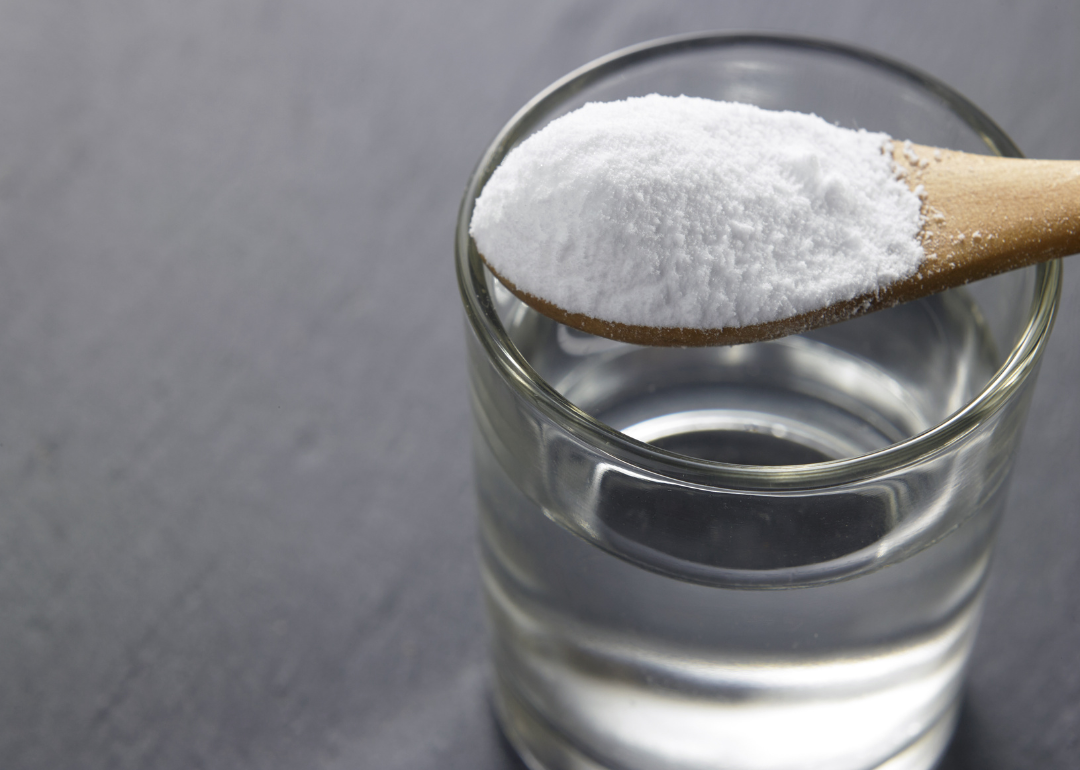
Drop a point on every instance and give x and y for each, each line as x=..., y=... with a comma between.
x=982, y=215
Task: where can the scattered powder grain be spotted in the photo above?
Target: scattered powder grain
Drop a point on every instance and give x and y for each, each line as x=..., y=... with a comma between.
x=687, y=212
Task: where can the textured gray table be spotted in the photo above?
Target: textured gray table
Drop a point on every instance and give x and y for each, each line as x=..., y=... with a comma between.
x=236, y=526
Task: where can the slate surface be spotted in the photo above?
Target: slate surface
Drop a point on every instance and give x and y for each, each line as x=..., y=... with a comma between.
x=236, y=524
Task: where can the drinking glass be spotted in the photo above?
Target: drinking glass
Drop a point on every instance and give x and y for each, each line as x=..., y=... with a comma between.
x=758, y=557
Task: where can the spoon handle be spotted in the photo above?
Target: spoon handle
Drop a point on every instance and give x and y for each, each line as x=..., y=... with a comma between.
x=985, y=214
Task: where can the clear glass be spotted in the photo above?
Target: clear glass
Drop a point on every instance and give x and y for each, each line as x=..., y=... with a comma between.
x=757, y=557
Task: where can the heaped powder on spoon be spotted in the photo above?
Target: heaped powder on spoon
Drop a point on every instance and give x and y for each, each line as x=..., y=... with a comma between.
x=686, y=212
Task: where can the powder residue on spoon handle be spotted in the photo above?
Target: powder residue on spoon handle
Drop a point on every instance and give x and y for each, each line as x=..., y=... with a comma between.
x=687, y=212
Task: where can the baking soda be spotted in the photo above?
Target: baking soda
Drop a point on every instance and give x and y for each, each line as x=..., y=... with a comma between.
x=687, y=212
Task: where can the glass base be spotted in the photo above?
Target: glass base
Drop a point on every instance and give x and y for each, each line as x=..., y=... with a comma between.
x=541, y=747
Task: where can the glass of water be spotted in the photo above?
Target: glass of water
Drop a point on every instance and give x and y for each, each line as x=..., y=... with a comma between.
x=760, y=557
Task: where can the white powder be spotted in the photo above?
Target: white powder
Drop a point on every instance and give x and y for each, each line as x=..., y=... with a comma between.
x=687, y=212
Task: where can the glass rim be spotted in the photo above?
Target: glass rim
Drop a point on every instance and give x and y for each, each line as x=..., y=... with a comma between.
x=504, y=355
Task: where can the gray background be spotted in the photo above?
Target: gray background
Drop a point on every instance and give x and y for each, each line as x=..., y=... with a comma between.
x=236, y=524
